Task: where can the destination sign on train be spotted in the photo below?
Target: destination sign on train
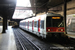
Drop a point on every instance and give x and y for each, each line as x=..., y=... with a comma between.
x=55, y=17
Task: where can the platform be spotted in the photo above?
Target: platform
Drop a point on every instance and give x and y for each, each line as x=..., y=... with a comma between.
x=7, y=40
x=71, y=34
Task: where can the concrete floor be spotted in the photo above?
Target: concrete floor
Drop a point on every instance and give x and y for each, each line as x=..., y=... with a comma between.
x=7, y=40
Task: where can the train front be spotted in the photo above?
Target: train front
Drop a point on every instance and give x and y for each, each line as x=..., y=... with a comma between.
x=55, y=26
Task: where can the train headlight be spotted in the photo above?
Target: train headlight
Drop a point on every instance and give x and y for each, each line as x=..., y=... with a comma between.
x=61, y=29
x=48, y=29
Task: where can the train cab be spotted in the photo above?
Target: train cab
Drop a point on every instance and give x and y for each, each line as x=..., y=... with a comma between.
x=54, y=25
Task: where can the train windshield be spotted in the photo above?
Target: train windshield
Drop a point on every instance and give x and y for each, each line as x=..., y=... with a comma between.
x=61, y=24
x=54, y=22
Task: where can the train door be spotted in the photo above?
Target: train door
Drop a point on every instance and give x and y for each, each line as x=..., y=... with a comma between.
x=42, y=26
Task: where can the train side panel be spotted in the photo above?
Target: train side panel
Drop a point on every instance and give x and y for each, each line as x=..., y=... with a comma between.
x=35, y=25
x=22, y=24
x=42, y=26
x=30, y=24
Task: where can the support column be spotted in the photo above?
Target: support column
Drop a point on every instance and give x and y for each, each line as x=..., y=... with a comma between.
x=6, y=22
x=18, y=23
x=65, y=6
x=4, y=25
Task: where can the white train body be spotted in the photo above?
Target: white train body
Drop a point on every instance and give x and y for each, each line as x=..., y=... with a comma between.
x=38, y=25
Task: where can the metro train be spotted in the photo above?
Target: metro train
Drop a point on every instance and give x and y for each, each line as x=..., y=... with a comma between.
x=71, y=22
x=46, y=25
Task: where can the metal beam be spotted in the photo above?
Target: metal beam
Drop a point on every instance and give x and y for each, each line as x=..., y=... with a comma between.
x=25, y=8
x=55, y=8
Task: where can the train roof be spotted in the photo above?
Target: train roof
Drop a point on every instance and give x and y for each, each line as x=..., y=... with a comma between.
x=71, y=16
x=37, y=17
x=52, y=14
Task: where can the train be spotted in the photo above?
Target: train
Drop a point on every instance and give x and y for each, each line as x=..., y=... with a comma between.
x=71, y=22
x=45, y=25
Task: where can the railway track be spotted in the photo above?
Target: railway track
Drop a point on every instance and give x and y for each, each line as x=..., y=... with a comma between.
x=49, y=47
x=24, y=42
x=45, y=45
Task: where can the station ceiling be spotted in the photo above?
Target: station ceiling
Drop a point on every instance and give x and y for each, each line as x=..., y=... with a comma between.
x=44, y=5
x=7, y=7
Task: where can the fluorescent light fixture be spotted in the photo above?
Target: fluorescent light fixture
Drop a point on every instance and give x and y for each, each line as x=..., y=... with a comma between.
x=21, y=14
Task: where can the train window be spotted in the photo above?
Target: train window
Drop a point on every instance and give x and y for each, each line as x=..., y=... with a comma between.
x=21, y=23
x=61, y=24
x=35, y=23
x=25, y=23
x=53, y=22
x=30, y=23
x=56, y=22
x=42, y=24
x=73, y=20
x=48, y=22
